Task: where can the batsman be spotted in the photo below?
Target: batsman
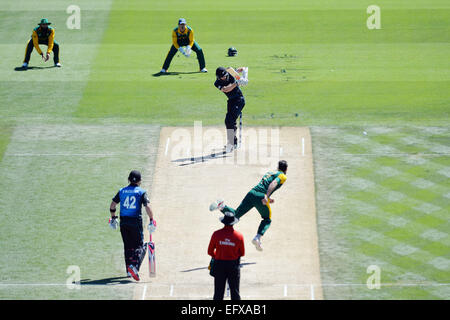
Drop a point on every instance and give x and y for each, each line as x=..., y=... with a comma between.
x=228, y=81
x=131, y=198
x=259, y=198
x=44, y=34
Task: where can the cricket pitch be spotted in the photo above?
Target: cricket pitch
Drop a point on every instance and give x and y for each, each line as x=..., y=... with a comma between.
x=187, y=178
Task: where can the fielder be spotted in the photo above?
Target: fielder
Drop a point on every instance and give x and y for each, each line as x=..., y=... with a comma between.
x=227, y=83
x=131, y=199
x=183, y=36
x=259, y=198
x=42, y=35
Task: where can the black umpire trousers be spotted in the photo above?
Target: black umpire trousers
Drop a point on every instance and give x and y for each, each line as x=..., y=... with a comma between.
x=227, y=270
x=133, y=241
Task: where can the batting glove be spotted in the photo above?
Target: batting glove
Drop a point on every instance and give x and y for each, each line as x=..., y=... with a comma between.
x=152, y=226
x=242, y=82
x=181, y=49
x=113, y=222
x=245, y=72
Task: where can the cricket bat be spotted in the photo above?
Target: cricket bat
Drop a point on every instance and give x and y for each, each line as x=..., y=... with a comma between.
x=233, y=73
x=151, y=257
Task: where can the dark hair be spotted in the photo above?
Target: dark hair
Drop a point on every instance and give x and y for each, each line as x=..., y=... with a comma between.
x=134, y=177
x=282, y=165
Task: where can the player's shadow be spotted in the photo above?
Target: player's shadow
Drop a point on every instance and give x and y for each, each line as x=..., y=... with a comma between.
x=175, y=73
x=100, y=282
x=32, y=68
x=206, y=268
x=193, y=160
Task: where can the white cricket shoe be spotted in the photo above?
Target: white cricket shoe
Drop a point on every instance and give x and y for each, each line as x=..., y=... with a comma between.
x=25, y=65
x=228, y=148
x=58, y=65
x=204, y=70
x=218, y=204
x=163, y=71
x=257, y=242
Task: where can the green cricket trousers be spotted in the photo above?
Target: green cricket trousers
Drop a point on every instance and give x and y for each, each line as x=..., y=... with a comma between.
x=253, y=200
x=196, y=48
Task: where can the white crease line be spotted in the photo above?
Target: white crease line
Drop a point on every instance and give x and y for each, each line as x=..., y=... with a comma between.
x=144, y=292
x=387, y=154
x=171, y=290
x=167, y=146
x=425, y=284
x=285, y=291
x=303, y=146
x=312, y=292
x=281, y=151
x=32, y=284
x=70, y=154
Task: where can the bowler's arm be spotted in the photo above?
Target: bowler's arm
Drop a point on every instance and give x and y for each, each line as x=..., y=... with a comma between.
x=270, y=189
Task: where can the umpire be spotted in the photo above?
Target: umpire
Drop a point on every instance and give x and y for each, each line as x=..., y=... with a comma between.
x=226, y=249
x=131, y=199
x=226, y=83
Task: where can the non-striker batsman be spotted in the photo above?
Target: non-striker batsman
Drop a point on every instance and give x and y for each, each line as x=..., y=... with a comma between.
x=131, y=199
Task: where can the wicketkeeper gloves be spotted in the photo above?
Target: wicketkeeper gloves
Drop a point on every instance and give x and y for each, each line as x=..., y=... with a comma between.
x=188, y=51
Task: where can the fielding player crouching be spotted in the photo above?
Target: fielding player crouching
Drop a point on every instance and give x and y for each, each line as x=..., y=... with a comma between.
x=183, y=41
x=42, y=35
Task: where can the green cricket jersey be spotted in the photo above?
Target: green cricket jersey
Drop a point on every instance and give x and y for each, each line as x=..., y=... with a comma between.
x=41, y=36
x=181, y=39
x=44, y=35
x=267, y=179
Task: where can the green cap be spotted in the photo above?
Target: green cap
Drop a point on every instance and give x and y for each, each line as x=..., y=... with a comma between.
x=44, y=21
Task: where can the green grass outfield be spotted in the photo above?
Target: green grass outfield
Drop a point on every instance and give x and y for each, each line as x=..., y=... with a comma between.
x=69, y=136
